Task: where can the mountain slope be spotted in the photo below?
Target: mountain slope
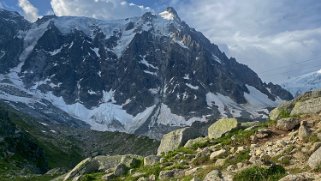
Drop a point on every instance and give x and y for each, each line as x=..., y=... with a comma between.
x=144, y=75
x=303, y=83
x=31, y=145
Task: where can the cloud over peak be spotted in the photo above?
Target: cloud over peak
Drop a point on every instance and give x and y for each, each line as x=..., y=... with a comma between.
x=30, y=12
x=100, y=9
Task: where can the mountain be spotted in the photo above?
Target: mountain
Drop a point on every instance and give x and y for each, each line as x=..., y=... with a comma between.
x=144, y=75
x=304, y=83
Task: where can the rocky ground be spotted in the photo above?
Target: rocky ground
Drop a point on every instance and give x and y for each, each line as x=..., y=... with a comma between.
x=285, y=148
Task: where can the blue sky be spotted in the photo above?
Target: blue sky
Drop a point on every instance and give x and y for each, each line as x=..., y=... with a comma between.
x=273, y=37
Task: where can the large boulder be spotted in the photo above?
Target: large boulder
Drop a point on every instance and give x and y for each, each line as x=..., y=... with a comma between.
x=151, y=160
x=315, y=159
x=176, y=139
x=86, y=166
x=221, y=127
x=310, y=106
x=101, y=163
x=287, y=124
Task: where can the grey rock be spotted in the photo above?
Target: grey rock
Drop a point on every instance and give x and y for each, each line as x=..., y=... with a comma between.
x=287, y=124
x=315, y=159
x=294, y=178
x=170, y=174
x=120, y=170
x=175, y=139
x=151, y=160
x=304, y=131
x=214, y=175
x=86, y=166
x=221, y=127
x=218, y=153
x=310, y=106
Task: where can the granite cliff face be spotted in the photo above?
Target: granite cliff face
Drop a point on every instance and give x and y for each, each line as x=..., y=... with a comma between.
x=144, y=75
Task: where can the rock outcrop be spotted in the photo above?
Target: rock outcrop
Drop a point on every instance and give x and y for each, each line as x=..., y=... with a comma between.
x=177, y=138
x=221, y=127
x=315, y=159
x=118, y=163
x=287, y=124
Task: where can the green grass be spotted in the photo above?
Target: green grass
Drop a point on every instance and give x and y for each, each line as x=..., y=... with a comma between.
x=274, y=173
x=237, y=158
x=92, y=177
x=284, y=113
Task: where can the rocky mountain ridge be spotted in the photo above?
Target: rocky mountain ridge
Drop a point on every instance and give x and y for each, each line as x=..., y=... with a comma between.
x=144, y=75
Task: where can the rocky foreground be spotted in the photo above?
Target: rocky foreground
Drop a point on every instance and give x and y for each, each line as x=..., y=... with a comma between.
x=287, y=148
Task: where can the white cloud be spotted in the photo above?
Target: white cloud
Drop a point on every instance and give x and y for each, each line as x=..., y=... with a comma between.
x=262, y=34
x=101, y=9
x=1, y=5
x=30, y=12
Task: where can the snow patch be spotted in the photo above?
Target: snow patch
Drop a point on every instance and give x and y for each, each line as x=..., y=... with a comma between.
x=166, y=117
x=167, y=15
x=151, y=73
x=55, y=52
x=258, y=99
x=96, y=50
x=144, y=62
x=192, y=86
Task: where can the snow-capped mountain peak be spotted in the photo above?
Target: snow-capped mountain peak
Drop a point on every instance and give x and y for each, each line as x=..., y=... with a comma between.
x=143, y=75
x=170, y=14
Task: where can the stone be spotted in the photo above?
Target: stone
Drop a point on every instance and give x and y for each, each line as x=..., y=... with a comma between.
x=152, y=178
x=293, y=178
x=220, y=162
x=315, y=146
x=195, y=179
x=108, y=176
x=287, y=124
x=315, y=159
x=309, y=106
x=240, y=149
x=130, y=161
x=221, y=127
x=217, y=154
x=175, y=139
x=192, y=171
x=169, y=174
x=87, y=165
x=200, y=140
x=304, y=131
x=151, y=160
x=55, y=171
x=214, y=175
x=120, y=170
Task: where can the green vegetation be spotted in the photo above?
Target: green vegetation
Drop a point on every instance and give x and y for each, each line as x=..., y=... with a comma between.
x=284, y=113
x=256, y=173
x=238, y=158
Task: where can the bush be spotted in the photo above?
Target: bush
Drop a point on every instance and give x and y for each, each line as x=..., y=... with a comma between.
x=256, y=173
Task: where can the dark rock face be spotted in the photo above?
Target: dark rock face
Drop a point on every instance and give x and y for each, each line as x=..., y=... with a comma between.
x=11, y=42
x=137, y=64
x=18, y=146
